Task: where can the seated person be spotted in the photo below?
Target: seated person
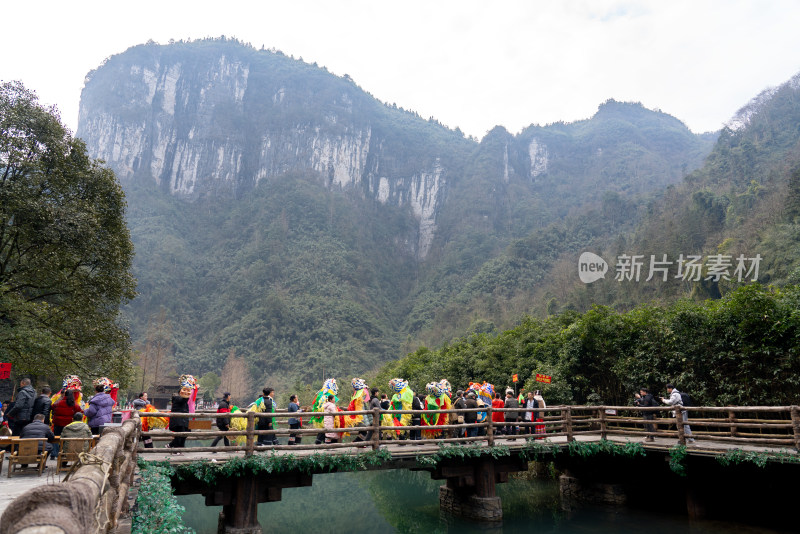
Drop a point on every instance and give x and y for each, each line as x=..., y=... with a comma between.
x=78, y=429
x=37, y=429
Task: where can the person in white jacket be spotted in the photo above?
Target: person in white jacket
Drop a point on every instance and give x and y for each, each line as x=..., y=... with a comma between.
x=676, y=400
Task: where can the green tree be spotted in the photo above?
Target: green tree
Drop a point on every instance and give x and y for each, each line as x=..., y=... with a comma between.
x=209, y=383
x=65, y=250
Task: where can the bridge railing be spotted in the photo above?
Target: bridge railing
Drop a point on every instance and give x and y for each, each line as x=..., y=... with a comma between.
x=756, y=425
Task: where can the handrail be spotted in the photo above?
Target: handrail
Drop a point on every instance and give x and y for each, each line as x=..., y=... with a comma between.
x=712, y=423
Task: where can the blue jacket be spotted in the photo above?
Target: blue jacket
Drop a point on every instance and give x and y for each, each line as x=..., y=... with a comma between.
x=99, y=411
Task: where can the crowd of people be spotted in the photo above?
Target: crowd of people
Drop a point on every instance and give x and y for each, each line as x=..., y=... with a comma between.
x=62, y=415
x=65, y=413
x=323, y=413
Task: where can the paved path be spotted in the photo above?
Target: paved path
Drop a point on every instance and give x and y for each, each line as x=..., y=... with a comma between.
x=22, y=481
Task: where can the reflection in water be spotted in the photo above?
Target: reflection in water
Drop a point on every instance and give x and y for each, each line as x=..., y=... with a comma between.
x=408, y=501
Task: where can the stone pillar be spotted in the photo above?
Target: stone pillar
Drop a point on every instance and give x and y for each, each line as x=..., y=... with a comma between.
x=476, y=501
x=467, y=504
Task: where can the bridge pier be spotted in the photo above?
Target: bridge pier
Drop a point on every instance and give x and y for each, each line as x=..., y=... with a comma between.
x=240, y=497
x=469, y=490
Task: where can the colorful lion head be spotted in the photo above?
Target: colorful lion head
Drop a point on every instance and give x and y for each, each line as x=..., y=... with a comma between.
x=446, y=389
x=434, y=389
x=330, y=387
x=187, y=381
x=107, y=384
x=397, y=384
x=72, y=382
x=359, y=383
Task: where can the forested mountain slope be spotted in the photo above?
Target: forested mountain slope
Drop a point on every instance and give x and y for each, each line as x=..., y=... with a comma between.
x=740, y=208
x=282, y=214
x=712, y=330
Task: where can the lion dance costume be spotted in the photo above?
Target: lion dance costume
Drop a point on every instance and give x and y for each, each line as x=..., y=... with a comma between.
x=436, y=400
x=485, y=393
x=328, y=388
x=358, y=402
x=402, y=399
x=74, y=383
x=190, y=382
x=238, y=423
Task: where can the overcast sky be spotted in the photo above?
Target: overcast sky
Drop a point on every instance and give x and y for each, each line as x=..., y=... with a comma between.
x=469, y=64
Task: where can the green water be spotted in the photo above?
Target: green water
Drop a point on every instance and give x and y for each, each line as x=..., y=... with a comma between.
x=406, y=501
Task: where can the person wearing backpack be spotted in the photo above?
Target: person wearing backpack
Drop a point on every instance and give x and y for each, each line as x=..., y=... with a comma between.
x=676, y=398
x=645, y=399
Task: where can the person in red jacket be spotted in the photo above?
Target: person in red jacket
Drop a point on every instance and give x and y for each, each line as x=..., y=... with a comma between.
x=64, y=410
x=498, y=418
x=62, y=413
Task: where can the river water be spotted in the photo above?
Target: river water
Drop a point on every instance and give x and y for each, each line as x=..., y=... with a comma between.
x=405, y=501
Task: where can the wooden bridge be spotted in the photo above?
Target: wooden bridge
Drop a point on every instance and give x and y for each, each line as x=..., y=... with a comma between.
x=107, y=474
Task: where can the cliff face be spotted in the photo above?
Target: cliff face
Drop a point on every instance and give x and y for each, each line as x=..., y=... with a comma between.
x=204, y=123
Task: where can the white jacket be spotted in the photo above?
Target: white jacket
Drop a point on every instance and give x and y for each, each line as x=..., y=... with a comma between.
x=674, y=398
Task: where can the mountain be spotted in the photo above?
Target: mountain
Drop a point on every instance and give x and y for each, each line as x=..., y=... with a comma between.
x=283, y=214
x=709, y=329
x=739, y=209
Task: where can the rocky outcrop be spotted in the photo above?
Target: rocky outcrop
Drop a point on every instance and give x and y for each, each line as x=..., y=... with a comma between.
x=539, y=157
x=197, y=124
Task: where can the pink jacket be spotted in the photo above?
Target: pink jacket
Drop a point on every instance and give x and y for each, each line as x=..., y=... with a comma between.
x=328, y=420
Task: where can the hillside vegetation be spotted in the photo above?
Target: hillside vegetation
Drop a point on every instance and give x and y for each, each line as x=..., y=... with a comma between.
x=720, y=336
x=739, y=350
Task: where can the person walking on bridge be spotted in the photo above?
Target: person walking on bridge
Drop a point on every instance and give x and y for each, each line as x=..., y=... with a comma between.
x=498, y=418
x=511, y=417
x=182, y=403
x=675, y=399
x=295, y=423
x=530, y=415
x=329, y=421
x=459, y=404
x=374, y=402
x=265, y=404
x=223, y=423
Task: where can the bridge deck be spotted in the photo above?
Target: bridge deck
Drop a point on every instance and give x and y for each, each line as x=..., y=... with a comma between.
x=411, y=449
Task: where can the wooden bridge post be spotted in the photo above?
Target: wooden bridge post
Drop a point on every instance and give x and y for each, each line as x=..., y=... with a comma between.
x=679, y=423
x=251, y=438
x=601, y=414
x=241, y=515
x=732, y=419
x=796, y=426
x=489, y=426
x=376, y=434
x=568, y=424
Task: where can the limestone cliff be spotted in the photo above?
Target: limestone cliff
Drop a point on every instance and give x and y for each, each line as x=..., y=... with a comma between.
x=216, y=120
